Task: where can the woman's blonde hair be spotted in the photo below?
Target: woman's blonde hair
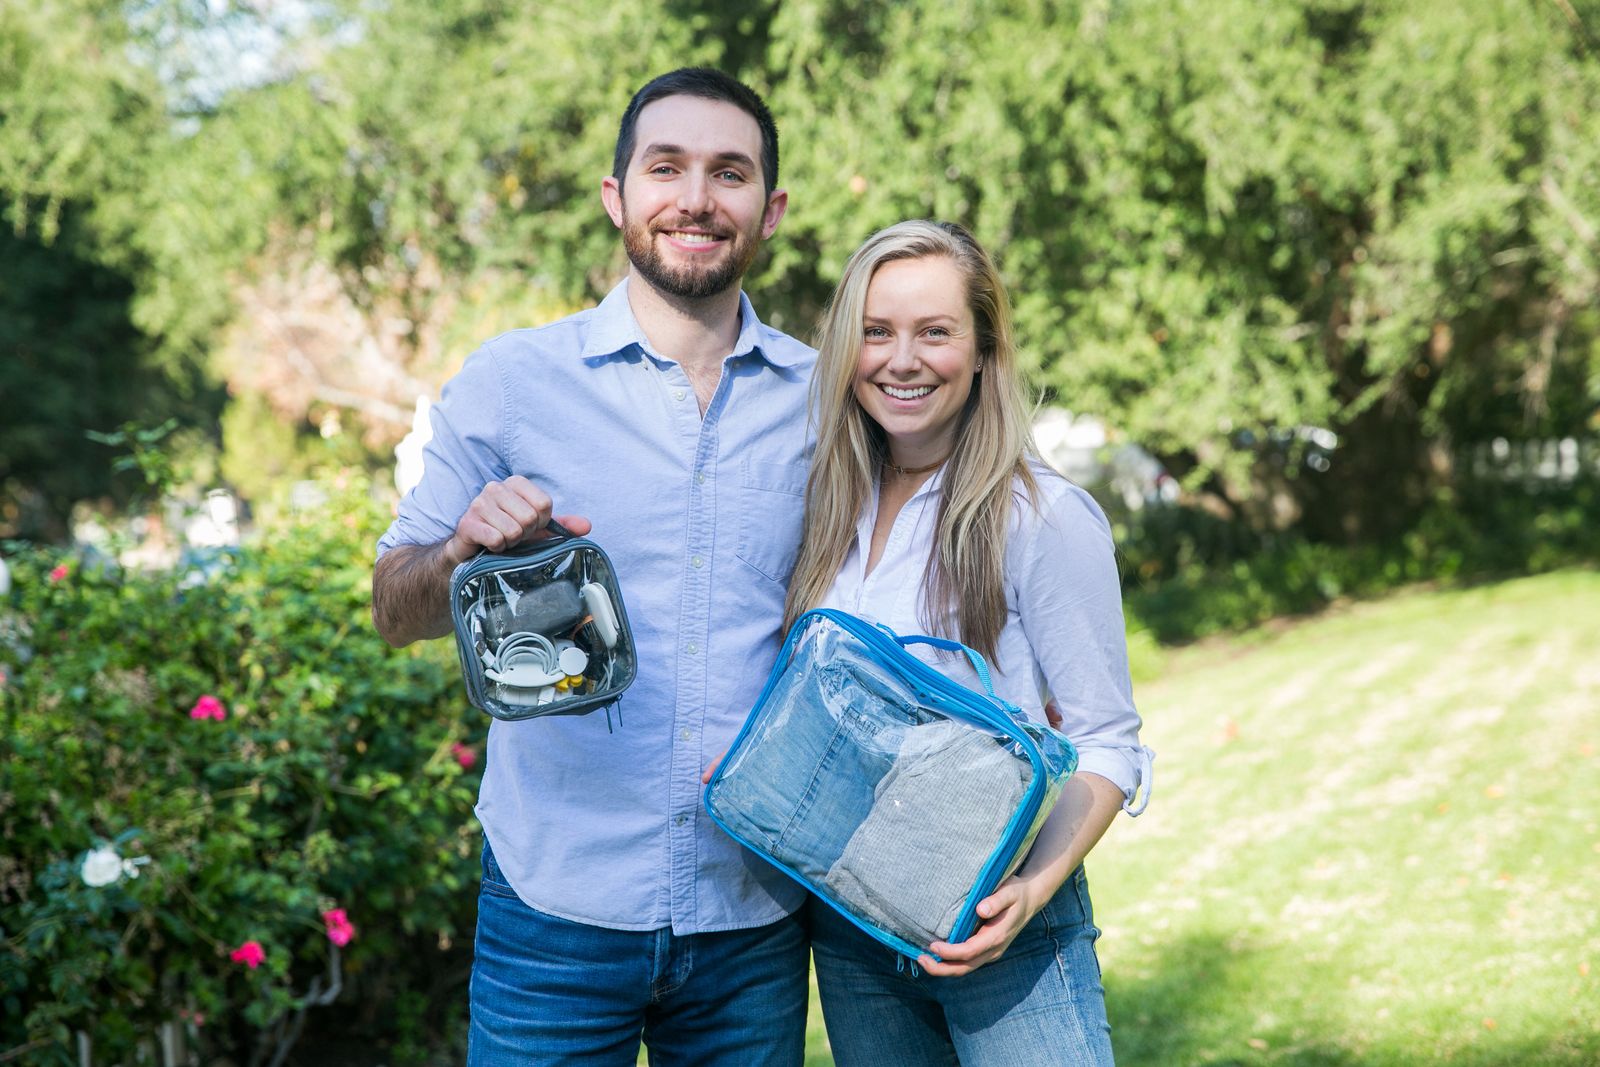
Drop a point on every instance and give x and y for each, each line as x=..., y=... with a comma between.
x=965, y=572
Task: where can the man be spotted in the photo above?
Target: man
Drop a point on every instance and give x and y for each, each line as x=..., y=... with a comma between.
x=611, y=906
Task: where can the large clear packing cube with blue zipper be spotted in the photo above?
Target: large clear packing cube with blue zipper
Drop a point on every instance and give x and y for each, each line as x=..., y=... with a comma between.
x=895, y=794
x=541, y=629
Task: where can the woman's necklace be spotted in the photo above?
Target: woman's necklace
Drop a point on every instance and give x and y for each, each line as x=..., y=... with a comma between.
x=895, y=468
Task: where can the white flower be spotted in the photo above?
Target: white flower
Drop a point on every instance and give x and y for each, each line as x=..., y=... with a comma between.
x=131, y=867
x=101, y=866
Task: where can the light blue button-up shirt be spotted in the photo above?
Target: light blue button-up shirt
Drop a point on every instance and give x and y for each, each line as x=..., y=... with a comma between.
x=701, y=518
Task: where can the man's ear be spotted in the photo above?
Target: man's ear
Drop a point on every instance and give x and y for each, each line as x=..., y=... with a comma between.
x=611, y=197
x=777, y=204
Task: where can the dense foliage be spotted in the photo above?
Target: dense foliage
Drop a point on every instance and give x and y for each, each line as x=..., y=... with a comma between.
x=1187, y=574
x=259, y=762
x=81, y=126
x=1233, y=228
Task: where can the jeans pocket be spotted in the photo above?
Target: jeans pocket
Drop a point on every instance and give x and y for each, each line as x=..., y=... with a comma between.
x=1070, y=912
x=770, y=499
x=494, y=880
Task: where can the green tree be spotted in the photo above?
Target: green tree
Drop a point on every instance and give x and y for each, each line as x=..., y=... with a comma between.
x=1227, y=224
x=79, y=125
x=1227, y=221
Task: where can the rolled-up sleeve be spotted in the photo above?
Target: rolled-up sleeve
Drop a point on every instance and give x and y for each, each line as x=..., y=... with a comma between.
x=464, y=454
x=1070, y=604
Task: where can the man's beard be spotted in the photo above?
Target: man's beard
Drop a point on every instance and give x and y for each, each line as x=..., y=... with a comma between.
x=688, y=282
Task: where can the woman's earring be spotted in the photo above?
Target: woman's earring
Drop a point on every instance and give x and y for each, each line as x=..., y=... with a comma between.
x=979, y=369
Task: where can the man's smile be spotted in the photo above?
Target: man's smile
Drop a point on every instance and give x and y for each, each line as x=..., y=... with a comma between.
x=694, y=238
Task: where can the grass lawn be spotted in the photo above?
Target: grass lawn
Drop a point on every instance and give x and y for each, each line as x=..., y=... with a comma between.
x=1375, y=840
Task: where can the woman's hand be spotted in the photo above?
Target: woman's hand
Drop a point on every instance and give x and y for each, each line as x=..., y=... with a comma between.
x=1088, y=804
x=711, y=768
x=1003, y=914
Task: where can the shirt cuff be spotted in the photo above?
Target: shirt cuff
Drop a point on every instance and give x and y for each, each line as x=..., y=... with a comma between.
x=1129, y=769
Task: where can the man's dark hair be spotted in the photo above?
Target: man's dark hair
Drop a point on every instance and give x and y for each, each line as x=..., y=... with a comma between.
x=707, y=84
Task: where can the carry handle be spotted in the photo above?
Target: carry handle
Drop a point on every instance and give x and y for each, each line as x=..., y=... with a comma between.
x=522, y=548
x=955, y=646
x=560, y=531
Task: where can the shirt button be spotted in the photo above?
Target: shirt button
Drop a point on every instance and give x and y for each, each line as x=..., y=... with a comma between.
x=698, y=561
x=684, y=734
x=691, y=648
x=700, y=478
x=680, y=820
x=678, y=394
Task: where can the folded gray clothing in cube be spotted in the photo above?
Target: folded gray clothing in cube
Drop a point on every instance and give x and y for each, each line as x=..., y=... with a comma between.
x=936, y=818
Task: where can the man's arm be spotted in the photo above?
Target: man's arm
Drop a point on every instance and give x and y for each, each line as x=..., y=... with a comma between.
x=411, y=593
x=411, y=583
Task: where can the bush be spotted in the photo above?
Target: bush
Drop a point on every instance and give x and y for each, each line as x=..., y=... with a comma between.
x=256, y=757
x=1187, y=574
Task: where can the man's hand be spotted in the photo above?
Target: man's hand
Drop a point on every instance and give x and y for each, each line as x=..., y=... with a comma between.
x=411, y=583
x=504, y=515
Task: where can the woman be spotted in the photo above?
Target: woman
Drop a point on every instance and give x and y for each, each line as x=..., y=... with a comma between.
x=926, y=511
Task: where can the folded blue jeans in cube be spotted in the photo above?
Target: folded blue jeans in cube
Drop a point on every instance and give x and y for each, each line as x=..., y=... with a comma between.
x=803, y=786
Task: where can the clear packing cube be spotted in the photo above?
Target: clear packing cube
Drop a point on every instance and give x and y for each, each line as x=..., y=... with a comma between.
x=541, y=630
x=895, y=794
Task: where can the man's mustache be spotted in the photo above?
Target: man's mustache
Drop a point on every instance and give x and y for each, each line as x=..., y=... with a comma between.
x=691, y=224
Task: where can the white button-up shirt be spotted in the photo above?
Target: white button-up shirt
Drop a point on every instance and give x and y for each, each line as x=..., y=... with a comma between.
x=1063, y=637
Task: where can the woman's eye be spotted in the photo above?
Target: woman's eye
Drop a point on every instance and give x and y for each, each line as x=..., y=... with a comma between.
x=938, y=333
x=874, y=333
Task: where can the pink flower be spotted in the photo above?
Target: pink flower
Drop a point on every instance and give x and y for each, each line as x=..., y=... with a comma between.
x=465, y=755
x=208, y=707
x=59, y=573
x=250, y=954
x=340, y=929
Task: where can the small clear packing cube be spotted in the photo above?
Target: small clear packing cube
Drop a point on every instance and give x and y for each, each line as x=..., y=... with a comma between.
x=541, y=630
x=895, y=794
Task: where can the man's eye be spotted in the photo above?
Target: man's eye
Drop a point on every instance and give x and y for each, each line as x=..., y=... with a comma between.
x=731, y=176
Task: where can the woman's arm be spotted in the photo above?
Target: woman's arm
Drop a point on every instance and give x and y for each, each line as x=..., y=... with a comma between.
x=1064, y=583
x=1087, y=805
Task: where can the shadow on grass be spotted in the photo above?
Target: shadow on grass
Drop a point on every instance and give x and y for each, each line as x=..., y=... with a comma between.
x=1197, y=1007
x=1213, y=1003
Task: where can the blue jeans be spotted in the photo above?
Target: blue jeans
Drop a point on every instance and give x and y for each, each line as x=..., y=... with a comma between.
x=1040, y=1003
x=547, y=990
x=804, y=779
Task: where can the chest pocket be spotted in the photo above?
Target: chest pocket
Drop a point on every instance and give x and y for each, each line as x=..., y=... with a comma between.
x=771, y=498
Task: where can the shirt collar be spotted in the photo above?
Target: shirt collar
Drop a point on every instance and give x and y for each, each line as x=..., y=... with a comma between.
x=934, y=483
x=613, y=330
x=869, y=515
